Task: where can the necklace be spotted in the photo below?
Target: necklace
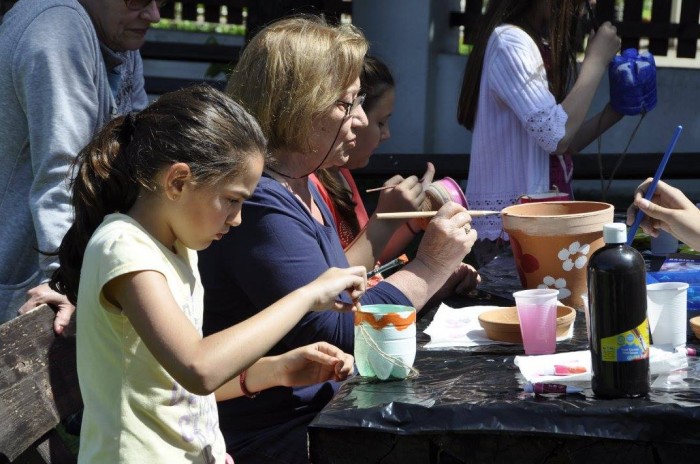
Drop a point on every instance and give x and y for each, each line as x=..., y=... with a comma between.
x=270, y=168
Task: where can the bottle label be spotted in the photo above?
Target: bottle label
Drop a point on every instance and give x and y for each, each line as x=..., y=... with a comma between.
x=632, y=345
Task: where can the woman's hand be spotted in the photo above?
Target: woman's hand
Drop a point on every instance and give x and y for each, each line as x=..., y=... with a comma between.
x=463, y=280
x=669, y=210
x=311, y=364
x=447, y=240
x=327, y=288
x=43, y=294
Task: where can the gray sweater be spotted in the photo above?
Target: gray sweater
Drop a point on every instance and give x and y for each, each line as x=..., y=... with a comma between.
x=54, y=94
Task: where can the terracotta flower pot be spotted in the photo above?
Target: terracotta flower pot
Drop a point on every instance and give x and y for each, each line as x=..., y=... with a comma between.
x=552, y=242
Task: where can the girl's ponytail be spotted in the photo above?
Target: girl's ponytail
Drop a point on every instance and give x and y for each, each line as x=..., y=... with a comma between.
x=198, y=125
x=103, y=183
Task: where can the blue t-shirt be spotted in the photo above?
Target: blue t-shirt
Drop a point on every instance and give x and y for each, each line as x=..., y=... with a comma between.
x=278, y=248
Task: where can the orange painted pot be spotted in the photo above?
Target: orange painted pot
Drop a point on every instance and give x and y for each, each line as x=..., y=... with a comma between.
x=552, y=242
x=385, y=340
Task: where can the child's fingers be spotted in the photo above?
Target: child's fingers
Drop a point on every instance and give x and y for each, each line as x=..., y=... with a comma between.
x=321, y=357
x=427, y=178
x=344, y=307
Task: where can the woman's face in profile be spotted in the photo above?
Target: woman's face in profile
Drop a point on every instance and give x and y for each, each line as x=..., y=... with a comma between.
x=335, y=132
x=376, y=131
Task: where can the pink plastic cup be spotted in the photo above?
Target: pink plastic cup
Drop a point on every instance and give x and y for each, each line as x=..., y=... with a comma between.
x=537, y=311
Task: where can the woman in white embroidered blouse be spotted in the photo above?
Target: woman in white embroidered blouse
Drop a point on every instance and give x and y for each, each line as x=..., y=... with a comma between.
x=524, y=99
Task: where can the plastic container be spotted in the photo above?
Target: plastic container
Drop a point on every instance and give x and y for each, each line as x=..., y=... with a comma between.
x=632, y=77
x=619, y=329
x=385, y=340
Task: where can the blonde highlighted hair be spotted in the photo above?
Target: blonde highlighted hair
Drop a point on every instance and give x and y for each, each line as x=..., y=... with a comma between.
x=294, y=70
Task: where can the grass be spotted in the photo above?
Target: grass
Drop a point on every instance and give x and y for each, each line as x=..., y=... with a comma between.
x=195, y=26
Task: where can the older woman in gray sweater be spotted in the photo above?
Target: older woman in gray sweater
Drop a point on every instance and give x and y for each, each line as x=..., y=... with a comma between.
x=66, y=68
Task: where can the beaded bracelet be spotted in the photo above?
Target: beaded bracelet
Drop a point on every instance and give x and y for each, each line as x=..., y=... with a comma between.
x=244, y=389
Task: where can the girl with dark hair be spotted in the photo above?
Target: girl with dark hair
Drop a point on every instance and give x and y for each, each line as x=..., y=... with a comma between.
x=525, y=102
x=149, y=190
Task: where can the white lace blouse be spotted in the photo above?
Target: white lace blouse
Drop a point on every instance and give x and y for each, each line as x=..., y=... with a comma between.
x=518, y=124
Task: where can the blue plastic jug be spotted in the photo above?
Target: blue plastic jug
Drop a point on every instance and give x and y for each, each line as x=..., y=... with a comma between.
x=632, y=78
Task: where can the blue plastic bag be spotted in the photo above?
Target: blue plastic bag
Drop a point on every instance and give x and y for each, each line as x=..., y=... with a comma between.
x=690, y=277
x=632, y=78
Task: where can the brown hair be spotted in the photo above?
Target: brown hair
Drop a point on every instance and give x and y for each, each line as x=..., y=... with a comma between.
x=561, y=38
x=199, y=126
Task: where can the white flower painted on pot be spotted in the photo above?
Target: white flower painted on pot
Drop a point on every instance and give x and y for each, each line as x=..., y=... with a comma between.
x=557, y=284
x=574, y=256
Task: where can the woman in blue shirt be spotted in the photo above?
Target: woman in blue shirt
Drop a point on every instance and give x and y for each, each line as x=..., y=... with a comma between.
x=300, y=78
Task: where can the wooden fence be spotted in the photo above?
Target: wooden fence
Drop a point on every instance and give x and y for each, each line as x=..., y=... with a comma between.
x=212, y=9
x=257, y=14
x=627, y=17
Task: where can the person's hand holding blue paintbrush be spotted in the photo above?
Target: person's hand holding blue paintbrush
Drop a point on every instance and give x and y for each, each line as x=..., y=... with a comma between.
x=668, y=209
x=653, y=183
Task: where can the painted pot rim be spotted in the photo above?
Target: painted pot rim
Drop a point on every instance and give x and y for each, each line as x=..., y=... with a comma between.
x=385, y=308
x=557, y=218
x=384, y=315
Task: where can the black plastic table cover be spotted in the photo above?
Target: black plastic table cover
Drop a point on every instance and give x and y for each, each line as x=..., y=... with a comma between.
x=468, y=405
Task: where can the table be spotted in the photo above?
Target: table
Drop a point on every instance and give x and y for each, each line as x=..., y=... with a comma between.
x=467, y=405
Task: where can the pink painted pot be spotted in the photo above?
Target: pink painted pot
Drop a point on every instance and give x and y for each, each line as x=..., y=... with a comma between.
x=552, y=242
x=444, y=190
x=438, y=193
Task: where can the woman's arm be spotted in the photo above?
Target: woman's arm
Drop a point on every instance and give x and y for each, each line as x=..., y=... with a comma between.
x=447, y=240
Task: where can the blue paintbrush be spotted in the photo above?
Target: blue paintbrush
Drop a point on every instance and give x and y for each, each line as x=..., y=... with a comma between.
x=652, y=187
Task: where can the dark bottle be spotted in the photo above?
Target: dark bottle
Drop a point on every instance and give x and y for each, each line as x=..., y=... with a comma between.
x=619, y=326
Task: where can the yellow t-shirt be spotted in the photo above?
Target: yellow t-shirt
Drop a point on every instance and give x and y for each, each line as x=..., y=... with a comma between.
x=134, y=410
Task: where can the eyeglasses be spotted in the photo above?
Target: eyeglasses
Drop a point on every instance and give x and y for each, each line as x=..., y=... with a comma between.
x=137, y=5
x=351, y=106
